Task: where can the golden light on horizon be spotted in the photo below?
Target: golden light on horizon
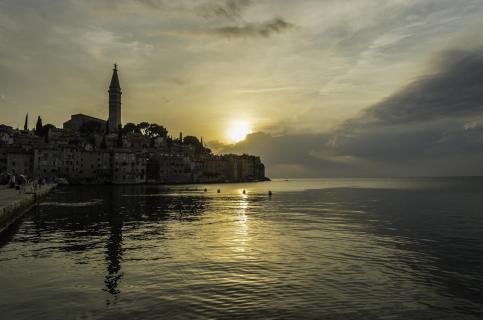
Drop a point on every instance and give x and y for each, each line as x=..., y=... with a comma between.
x=238, y=131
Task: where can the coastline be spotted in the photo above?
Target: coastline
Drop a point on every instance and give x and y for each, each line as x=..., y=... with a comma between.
x=166, y=183
x=14, y=204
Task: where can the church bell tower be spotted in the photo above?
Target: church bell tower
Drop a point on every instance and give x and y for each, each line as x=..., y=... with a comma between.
x=114, y=102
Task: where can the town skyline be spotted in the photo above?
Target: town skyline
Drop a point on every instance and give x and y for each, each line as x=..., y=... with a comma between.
x=318, y=87
x=90, y=150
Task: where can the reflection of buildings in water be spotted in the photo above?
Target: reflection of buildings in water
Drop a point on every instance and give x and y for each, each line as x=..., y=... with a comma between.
x=114, y=245
x=139, y=209
x=187, y=207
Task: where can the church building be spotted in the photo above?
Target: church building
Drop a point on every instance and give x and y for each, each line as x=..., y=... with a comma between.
x=113, y=122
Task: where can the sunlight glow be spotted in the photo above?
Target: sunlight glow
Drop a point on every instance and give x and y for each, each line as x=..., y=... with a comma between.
x=238, y=131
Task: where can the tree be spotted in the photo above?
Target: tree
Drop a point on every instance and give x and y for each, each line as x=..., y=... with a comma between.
x=130, y=128
x=193, y=141
x=142, y=127
x=38, y=126
x=169, y=142
x=42, y=131
x=47, y=127
x=197, y=144
x=155, y=130
x=26, y=124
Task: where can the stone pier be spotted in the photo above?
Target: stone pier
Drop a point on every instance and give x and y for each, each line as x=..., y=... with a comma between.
x=15, y=203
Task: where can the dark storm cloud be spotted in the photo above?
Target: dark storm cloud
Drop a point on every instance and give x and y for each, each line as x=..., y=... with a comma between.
x=455, y=89
x=433, y=126
x=426, y=119
x=209, y=9
x=265, y=29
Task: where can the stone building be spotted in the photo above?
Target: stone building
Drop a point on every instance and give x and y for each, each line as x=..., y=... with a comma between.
x=47, y=161
x=242, y=168
x=71, y=161
x=25, y=140
x=6, y=135
x=214, y=169
x=129, y=167
x=19, y=161
x=61, y=136
x=169, y=168
x=3, y=159
x=78, y=120
x=96, y=167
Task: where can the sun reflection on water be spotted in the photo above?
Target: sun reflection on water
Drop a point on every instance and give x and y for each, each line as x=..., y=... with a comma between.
x=242, y=225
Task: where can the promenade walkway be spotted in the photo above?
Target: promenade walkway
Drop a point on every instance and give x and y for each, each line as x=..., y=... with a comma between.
x=14, y=203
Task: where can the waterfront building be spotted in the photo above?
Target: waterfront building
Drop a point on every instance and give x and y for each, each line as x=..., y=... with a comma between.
x=6, y=138
x=47, y=161
x=214, y=169
x=3, y=159
x=96, y=167
x=169, y=168
x=19, y=161
x=25, y=140
x=128, y=167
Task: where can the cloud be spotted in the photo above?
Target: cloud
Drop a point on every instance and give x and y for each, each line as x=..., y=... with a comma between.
x=455, y=89
x=231, y=9
x=265, y=90
x=355, y=54
x=432, y=126
x=264, y=29
x=429, y=118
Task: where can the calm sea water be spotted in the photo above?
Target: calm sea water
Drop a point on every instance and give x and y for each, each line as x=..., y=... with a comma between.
x=315, y=249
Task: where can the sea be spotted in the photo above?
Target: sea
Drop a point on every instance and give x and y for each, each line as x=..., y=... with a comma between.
x=399, y=248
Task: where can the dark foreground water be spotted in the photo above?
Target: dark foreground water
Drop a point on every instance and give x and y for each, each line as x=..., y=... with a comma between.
x=316, y=249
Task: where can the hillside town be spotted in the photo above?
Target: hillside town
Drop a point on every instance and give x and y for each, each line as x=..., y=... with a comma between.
x=89, y=150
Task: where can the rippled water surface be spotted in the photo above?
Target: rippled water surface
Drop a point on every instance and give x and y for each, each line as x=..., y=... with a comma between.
x=315, y=249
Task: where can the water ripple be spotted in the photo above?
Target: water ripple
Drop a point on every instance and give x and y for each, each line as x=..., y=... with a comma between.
x=332, y=253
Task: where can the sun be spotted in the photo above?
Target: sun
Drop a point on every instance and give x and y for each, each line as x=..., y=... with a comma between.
x=238, y=131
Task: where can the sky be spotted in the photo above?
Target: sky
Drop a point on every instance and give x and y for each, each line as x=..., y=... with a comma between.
x=321, y=87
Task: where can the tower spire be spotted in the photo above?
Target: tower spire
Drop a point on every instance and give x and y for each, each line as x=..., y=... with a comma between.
x=115, y=79
x=26, y=124
x=114, y=102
